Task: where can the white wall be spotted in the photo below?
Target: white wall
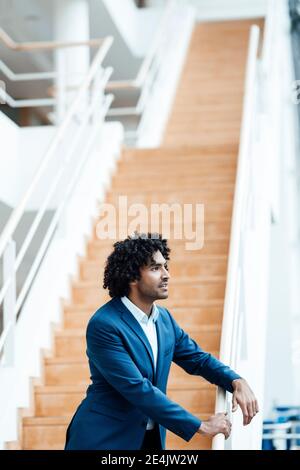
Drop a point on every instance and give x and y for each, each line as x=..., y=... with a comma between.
x=222, y=9
x=33, y=144
x=154, y=120
x=123, y=12
x=136, y=26
x=9, y=140
x=21, y=152
x=282, y=385
x=229, y=9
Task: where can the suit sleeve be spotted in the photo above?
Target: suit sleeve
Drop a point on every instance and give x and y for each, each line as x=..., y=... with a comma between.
x=190, y=357
x=106, y=350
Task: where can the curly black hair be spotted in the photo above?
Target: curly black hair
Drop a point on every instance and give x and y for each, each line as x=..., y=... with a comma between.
x=124, y=263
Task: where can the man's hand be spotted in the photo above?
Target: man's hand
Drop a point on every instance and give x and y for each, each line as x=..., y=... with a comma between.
x=218, y=423
x=245, y=398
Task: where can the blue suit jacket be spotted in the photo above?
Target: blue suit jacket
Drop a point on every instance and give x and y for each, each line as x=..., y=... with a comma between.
x=125, y=389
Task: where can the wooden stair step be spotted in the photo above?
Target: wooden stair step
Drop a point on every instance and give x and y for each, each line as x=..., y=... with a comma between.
x=72, y=343
x=182, y=182
x=75, y=370
x=78, y=317
x=133, y=171
x=137, y=169
x=200, y=151
x=213, y=233
x=95, y=250
x=167, y=303
x=63, y=400
x=183, y=197
x=211, y=266
x=209, y=288
x=221, y=214
x=48, y=433
x=59, y=400
x=222, y=188
x=220, y=208
x=174, y=137
x=197, y=442
x=178, y=156
x=61, y=371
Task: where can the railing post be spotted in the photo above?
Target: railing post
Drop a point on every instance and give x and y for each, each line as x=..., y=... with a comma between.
x=9, y=303
x=60, y=86
x=96, y=96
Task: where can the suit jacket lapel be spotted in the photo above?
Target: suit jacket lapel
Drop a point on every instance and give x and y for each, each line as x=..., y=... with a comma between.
x=161, y=346
x=136, y=327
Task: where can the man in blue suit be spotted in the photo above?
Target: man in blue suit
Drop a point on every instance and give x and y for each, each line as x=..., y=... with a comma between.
x=131, y=343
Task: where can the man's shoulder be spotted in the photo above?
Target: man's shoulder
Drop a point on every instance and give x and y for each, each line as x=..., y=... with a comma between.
x=164, y=312
x=105, y=316
x=167, y=316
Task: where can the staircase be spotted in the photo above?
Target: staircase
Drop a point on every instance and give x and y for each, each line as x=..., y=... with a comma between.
x=197, y=163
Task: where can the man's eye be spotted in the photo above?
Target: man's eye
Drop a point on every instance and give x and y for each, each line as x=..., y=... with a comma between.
x=155, y=268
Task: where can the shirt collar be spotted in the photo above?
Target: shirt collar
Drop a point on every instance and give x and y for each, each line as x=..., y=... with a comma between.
x=140, y=316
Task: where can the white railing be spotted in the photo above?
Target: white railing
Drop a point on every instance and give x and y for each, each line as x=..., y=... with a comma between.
x=20, y=77
x=234, y=309
x=44, y=45
x=66, y=156
x=264, y=143
x=34, y=47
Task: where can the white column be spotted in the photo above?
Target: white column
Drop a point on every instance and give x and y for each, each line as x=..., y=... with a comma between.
x=71, y=23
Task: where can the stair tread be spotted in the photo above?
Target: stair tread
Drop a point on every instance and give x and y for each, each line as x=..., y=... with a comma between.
x=77, y=360
x=202, y=303
x=62, y=360
x=174, y=384
x=204, y=279
x=65, y=420
x=206, y=258
x=191, y=329
x=229, y=150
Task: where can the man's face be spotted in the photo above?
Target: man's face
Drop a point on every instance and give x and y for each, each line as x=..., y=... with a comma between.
x=153, y=284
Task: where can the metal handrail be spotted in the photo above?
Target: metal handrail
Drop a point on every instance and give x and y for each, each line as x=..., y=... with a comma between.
x=18, y=212
x=19, y=77
x=229, y=319
x=59, y=210
x=45, y=45
x=27, y=46
x=37, y=102
x=286, y=436
x=97, y=77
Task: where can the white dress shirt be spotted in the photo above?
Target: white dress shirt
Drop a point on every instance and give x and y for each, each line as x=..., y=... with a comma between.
x=148, y=325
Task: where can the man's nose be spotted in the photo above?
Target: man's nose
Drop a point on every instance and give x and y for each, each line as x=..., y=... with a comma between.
x=166, y=274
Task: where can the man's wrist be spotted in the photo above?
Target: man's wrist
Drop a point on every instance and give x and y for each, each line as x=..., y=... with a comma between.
x=202, y=428
x=236, y=383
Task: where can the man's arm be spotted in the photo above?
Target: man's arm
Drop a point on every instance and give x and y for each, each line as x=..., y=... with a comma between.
x=195, y=361
x=106, y=350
